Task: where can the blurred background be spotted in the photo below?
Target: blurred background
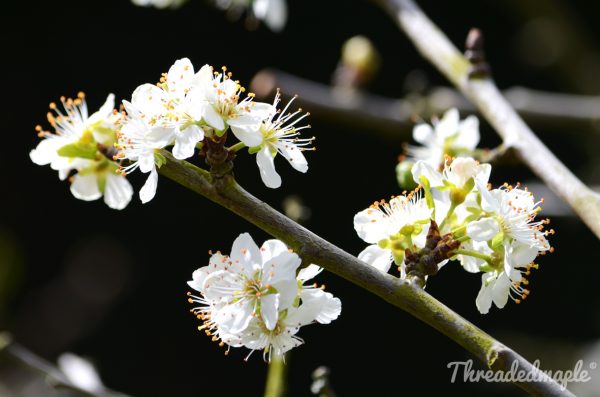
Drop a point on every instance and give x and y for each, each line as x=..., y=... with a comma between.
x=111, y=285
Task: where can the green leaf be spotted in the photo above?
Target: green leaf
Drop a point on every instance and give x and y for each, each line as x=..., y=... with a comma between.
x=78, y=149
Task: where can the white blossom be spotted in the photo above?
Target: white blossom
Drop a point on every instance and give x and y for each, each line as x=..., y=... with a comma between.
x=171, y=106
x=391, y=228
x=448, y=136
x=138, y=142
x=255, y=299
x=159, y=3
x=280, y=134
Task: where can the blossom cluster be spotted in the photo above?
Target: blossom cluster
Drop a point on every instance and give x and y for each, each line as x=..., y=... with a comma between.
x=272, y=12
x=454, y=214
x=257, y=299
x=182, y=111
x=84, y=144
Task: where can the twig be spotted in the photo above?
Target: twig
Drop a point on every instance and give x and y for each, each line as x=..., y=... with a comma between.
x=54, y=377
x=435, y=46
x=393, y=117
x=313, y=249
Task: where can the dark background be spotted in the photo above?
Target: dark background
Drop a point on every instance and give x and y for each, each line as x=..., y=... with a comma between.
x=111, y=285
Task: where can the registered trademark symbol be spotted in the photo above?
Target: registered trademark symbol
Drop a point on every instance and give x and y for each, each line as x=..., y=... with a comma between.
x=593, y=365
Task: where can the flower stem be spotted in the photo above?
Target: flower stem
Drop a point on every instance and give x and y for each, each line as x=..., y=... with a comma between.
x=276, y=378
x=474, y=254
x=238, y=146
x=448, y=215
x=463, y=238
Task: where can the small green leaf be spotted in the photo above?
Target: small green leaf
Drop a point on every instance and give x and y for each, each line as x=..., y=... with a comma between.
x=78, y=149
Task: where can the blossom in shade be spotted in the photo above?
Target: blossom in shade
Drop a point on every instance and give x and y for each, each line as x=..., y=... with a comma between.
x=448, y=136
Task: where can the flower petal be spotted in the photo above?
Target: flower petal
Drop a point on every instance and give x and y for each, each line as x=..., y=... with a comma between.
x=118, y=191
x=377, y=257
x=484, y=297
x=309, y=272
x=148, y=191
x=245, y=252
x=104, y=112
x=85, y=187
x=500, y=290
x=185, y=142
x=371, y=225
x=272, y=248
x=180, y=76
x=423, y=133
x=266, y=166
x=293, y=155
x=483, y=230
x=213, y=118
x=269, y=310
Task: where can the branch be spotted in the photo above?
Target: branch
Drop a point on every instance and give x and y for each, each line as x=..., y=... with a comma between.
x=394, y=117
x=435, y=46
x=313, y=249
x=52, y=375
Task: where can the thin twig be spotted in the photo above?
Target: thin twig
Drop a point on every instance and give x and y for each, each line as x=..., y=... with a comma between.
x=437, y=48
x=313, y=249
x=394, y=117
x=53, y=375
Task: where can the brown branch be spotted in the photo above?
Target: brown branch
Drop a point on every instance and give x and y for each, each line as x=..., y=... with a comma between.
x=313, y=249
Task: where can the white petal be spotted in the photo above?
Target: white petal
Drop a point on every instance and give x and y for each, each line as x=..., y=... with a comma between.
x=249, y=134
x=146, y=161
x=468, y=136
x=293, y=155
x=309, y=272
x=235, y=317
x=423, y=133
x=371, y=225
x=148, y=191
x=483, y=230
x=159, y=137
x=377, y=257
x=287, y=291
x=118, y=191
x=203, y=78
x=269, y=310
x=245, y=252
x=484, y=297
x=521, y=255
x=421, y=168
x=266, y=166
x=273, y=12
x=85, y=187
x=261, y=110
x=272, y=248
x=501, y=290
x=281, y=267
x=448, y=125
x=213, y=118
x=180, y=77
x=104, y=112
x=47, y=150
x=328, y=307
x=185, y=142
x=149, y=100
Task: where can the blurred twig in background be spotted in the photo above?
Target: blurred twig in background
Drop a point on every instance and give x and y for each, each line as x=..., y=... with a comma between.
x=395, y=117
x=33, y=376
x=437, y=48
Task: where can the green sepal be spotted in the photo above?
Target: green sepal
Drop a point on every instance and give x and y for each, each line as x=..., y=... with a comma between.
x=79, y=149
x=159, y=159
x=220, y=133
x=254, y=149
